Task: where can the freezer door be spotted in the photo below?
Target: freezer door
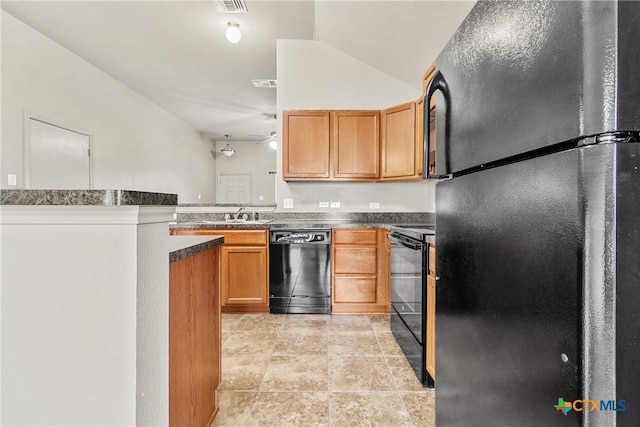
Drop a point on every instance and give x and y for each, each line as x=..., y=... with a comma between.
x=508, y=298
x=524, y=75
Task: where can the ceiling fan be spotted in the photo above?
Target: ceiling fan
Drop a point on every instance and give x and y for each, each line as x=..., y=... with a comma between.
x=272, y=140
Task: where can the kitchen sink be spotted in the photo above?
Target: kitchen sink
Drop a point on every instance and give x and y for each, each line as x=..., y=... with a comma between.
x=248, y=221
x=240, y=221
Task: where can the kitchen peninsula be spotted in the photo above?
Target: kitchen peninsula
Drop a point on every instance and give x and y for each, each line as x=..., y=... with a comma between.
x=85, y=305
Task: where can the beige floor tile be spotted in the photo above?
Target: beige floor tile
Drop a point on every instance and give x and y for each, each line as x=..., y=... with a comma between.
x=383, y=409
x=380, y=322
x=298, y=409
x=239, y=343
x=362, y=343
x=349, y=323
x=243, y=372
x=283, y=370
x=235, y=408
x=421, y=407
x=300, y=342
x=388, y=344
x=296, y=373
x=230, y=321
x=403, y=375
x=306, y=322
x=262, y=322
x=359, y=373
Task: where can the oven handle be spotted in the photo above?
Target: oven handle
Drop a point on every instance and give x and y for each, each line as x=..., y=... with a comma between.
x=405, y=241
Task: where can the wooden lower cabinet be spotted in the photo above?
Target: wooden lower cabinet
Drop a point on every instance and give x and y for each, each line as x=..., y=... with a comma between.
x=431, y=314
x=360, y=271
x=244, y=268
x=194, y=339
x=244, y=278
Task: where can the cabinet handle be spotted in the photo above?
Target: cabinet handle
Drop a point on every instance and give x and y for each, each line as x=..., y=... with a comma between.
x=437, y=83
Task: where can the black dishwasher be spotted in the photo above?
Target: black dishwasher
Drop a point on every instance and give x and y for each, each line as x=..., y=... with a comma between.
x=300, y=271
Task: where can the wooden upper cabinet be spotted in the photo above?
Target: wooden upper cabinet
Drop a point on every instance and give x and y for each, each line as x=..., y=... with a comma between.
x=306, y=145
x=356, y=144
x=322, y=145
x=398, y=139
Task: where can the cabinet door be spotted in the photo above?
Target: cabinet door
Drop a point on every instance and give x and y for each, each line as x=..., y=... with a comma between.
x=398, y=142
x=244, y=275
x=306, y=145
x=194, y=338
x=431, y=326
x=431, y=314
x=356, y=144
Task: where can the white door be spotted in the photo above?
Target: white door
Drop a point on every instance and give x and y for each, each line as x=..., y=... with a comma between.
x=234, y=189
x=58, y=157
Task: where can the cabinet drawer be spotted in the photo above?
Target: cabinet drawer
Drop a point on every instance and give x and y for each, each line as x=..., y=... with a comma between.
x=355, y=289
x=359, y=237
x=354, y=260
x=432, y=259
x=231, y=237
x=245, y=237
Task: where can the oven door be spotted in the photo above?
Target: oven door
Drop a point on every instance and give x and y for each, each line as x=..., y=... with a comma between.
x=408, y=263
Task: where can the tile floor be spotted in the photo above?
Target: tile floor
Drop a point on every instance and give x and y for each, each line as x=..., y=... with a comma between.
x=315, y=370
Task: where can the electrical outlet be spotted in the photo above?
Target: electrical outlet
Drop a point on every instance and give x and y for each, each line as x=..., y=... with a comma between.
x=260, y=198
x=287, y=203
x=374, y=205
x=335, y=205
x=323, y=204
x=199, y=196
x=12, y=179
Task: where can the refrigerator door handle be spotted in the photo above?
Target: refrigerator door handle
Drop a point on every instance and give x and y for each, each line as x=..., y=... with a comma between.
x=437, y=83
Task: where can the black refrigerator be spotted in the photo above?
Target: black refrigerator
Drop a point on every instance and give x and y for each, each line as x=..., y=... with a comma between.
x=538, y=215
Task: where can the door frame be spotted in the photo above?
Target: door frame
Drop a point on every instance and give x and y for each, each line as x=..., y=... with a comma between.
x=26, y=144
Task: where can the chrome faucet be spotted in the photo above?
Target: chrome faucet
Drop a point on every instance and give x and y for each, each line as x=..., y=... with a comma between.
x=237, y=215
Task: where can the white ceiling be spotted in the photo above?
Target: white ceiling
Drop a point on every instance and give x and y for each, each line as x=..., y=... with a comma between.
x=175, y=53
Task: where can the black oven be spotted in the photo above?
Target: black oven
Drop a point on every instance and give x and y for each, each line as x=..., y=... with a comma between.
x=409, y=269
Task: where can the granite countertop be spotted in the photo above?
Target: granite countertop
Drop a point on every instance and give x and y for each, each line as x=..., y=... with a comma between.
x=86, y=197
x=279, y=224
x=184, y=246
x=305, y=220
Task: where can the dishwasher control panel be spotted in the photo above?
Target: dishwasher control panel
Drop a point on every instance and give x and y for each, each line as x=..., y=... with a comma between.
x=287, y=237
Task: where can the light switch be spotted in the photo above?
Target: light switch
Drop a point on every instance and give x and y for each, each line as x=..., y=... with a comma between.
x=12, y=179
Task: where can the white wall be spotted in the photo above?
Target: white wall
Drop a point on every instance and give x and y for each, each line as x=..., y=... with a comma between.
x=250, y=158
x=85, y=333
x=137, y=145
x=312, y=75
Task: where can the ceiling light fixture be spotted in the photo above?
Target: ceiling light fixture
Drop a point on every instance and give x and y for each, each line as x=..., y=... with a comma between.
x=233, y=32
x=228, y=151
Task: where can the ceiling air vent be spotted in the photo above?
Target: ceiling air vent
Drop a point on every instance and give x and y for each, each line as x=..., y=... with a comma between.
x=230, y=6
x=265, y=83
